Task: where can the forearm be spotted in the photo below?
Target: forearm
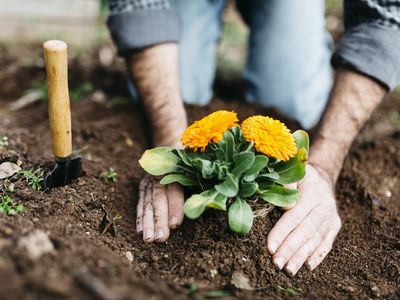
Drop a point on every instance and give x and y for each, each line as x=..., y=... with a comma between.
x=353, y=98
x=155, y=73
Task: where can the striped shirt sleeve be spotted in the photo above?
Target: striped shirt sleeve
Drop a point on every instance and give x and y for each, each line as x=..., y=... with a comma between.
x=371, y=42
x=137, y=24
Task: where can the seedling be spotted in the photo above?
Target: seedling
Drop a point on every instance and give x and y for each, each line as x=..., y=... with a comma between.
x=81, y=91
x=7, y=206
x=33, y=178
x=110, y=175
x=213, y=273
x=394, y=117
x=229, y=167
x=4, y=141
x=289, y=291
x=8, y=187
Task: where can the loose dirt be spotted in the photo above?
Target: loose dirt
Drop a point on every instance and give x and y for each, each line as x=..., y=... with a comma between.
x=201, y=255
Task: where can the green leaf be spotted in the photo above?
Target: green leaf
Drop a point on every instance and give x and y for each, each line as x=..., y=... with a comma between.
x=248, y=189
x=294, y=169
x=240, y=216
x=229, y=187
x=280, y=196
x=242, y=162
x=206, y=167
x=196, y=204
x=237, y=133
x=159, y=161
x=219, y=153
x=302, y=140
x=221, y=170
x=260, y=162
x=271, y=175
x=183, y=156
x=181, y=179
x=229, y=145
x=218, y=202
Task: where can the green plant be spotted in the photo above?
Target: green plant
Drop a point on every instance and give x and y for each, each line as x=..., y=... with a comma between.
x=33, y=178
x=289, y=291
x=394, y=118
x=8, y=186
x=110, y=175
x=230, y=172
x=4, y=141
x=7, y=206
x=81, y=91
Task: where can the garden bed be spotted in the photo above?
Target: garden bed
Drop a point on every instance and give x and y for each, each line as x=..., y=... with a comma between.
x=201, y=255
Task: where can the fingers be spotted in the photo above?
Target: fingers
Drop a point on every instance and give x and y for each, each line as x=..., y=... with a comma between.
x=308, y=229
x=175, y=200
x=148, y=214
x=324, y=248
x=160, y=204
x=287, y=223
x=139, y=207
x=159, y=208
x=297, y=260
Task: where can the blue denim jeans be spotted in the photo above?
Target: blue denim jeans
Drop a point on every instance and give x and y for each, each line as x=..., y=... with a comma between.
x=288, y=63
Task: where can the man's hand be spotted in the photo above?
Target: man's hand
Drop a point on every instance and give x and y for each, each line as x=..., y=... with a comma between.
x=155, y=73
x=306, y=232
x=159, y=209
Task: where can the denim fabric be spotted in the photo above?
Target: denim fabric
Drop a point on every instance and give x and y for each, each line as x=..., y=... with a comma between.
x=288, y=65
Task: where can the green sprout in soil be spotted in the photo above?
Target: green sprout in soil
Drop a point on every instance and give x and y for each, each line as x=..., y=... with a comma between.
x=8, y=187
x=81, y=91
x=289, y=291
x=33, y=178
x=7, y=206
x=213, y=273
x=78, y=93
x=232, y=168
x=394, y=118
x=4, y=141
x=110, y=175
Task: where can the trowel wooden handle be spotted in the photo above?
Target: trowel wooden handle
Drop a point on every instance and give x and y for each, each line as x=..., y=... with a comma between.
x=55, y=55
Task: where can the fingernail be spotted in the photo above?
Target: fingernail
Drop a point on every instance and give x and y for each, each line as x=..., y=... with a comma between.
x=311, y=264
x=139, y=228
x=279, y=262
x=148, y=234
x=174, y=222
x=272, y=247
x=291, y=268
x=159, y=235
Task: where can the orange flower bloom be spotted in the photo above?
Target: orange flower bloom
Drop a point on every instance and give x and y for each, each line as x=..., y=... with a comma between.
x=271, y=137
x=209, y=129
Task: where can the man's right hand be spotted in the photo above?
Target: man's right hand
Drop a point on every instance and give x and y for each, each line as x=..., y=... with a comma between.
x=159, y=209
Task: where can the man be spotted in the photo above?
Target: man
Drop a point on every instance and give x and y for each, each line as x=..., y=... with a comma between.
x=170, y=49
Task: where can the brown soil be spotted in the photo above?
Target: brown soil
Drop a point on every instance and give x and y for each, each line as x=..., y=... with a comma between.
x=364, y=263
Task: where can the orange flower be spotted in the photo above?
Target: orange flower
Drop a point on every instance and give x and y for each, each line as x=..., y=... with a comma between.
x=209, y=129
x=271, y=137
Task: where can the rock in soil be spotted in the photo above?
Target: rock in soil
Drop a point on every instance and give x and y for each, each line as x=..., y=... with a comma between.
x=36, y=244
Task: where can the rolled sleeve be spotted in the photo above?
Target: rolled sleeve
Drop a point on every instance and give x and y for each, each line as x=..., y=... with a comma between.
x=137, y=29
x=371, y=49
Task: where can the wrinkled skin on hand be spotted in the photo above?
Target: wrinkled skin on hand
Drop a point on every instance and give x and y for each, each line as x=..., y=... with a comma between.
x=304, y=234
x=159, y=209
x=306, y=231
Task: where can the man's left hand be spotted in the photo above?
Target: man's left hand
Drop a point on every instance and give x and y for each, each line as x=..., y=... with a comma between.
x=306, y=231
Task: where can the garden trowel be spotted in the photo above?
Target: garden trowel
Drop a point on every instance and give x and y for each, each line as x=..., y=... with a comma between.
x=67, y=166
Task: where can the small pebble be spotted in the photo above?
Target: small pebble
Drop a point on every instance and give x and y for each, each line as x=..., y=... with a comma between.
x=388, y=194
x=129, y=256
x=35, y=220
